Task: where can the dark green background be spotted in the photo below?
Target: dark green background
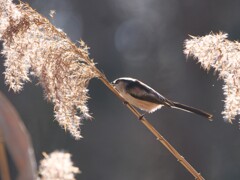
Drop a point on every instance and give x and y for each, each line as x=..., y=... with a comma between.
x=141, y=39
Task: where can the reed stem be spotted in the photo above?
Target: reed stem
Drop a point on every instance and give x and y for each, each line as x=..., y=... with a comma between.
x=150, y=127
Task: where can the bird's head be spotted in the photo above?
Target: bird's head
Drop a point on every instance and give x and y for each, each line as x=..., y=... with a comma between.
x=121, y=83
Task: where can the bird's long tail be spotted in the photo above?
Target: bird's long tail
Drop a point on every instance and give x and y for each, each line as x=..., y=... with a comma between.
x=192, y=110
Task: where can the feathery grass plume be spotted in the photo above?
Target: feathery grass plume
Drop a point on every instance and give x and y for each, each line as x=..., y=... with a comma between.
x=33, y=46
x=214, y=50
x=57, y=165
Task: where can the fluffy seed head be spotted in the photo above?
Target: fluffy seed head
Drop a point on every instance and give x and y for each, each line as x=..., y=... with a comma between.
x=57, y=165
x=33, y=46
x=217, y=52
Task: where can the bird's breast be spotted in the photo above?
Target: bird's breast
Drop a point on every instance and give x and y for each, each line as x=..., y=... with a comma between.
x=141, y=104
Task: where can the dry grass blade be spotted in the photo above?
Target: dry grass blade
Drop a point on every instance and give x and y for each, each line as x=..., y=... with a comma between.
x=15, y=135
x=3, y=161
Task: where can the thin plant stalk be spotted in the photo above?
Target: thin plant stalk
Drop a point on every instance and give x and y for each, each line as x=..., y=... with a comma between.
x=148, y=125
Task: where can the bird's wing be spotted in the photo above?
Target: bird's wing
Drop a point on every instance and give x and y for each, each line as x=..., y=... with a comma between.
x=145, y=93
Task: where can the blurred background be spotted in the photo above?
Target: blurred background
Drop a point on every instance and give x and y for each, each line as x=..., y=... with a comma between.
x=143, y=39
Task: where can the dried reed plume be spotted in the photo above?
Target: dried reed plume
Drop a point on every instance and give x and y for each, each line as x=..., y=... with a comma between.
x=214, y=50
x=32, y=46
x=57, y=165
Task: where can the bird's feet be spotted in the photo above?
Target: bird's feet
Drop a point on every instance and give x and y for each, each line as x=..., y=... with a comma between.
x=125, y=103
x=140, y=117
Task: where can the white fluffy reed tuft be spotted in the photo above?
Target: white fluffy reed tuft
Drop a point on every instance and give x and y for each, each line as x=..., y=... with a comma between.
x=217, y=52
x=33, y=46
x=57, y=165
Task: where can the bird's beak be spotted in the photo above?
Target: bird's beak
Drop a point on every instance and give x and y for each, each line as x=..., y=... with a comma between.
x=113, y=83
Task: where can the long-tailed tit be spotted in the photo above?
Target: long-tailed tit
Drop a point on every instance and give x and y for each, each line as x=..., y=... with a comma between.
x=147, y=99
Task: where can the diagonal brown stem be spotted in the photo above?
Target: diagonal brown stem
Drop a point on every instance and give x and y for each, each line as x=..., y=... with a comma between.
x=160, y=138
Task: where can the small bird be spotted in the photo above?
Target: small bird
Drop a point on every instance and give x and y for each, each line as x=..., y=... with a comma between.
x=147, y=99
